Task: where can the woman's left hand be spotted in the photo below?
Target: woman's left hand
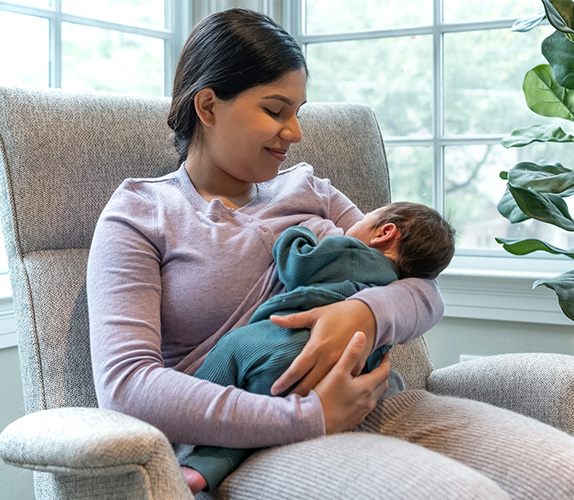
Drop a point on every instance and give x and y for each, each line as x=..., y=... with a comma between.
x=332, y=327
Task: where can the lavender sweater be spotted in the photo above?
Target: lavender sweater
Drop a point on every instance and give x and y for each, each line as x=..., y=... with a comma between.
x=169, y=273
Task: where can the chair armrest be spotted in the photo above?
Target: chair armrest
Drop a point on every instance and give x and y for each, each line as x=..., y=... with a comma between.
x=94, y=442
x=540, y=386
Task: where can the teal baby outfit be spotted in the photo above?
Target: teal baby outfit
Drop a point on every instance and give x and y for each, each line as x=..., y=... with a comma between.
x=252, y=357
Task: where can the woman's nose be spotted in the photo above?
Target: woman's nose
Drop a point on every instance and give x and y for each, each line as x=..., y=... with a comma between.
x=292, y=130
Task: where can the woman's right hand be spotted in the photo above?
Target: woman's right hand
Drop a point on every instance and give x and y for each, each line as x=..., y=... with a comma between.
x=346, y=398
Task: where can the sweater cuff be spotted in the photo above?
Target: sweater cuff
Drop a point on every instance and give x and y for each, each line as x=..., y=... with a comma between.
x=403, y=310
x=311, y=416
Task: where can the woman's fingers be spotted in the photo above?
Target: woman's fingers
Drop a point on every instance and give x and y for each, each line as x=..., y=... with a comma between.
x=352, y=353
x=332, y=327
x=347, y=399
x=379, y=377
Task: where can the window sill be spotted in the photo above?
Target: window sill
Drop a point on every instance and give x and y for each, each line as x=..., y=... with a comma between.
x=492, y=287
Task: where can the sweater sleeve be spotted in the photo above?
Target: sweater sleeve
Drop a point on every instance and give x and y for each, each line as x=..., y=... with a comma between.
x=124, y=298
x=404, y=309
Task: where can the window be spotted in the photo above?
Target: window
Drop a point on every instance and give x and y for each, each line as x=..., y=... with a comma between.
x=128, y=46
x=445, y=80
x=111, y=45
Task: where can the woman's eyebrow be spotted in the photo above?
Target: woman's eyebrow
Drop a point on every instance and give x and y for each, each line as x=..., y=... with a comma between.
x=280, y=97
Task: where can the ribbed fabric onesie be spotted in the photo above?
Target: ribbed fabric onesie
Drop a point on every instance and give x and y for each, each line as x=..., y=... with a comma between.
x=254, y=356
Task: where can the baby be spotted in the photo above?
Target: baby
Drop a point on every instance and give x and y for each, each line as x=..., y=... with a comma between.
x=398, y=240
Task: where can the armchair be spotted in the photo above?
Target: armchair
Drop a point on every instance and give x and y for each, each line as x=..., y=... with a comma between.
x=62, y=156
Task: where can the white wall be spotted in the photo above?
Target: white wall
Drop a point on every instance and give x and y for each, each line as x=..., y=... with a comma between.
x=15, y=484
x=455, y=336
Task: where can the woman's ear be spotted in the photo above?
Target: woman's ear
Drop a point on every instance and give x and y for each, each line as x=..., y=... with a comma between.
x=204, y=102
x=385, y=235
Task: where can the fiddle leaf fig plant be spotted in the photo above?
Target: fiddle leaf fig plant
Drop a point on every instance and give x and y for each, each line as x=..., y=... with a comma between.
x=537, y=190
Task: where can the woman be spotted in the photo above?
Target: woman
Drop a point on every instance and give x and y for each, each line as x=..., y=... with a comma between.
x=178, y=261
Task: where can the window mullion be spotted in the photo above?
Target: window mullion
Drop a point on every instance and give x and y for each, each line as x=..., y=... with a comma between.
x=438, y=108
x=55, y=51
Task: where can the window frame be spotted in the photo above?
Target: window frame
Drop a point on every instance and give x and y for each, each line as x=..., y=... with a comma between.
x=178, y=23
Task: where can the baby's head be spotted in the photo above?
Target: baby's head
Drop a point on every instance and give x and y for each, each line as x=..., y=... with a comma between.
x=414, y=236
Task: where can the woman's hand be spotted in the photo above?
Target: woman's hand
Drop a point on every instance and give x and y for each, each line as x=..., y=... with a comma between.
x=332, y=327
x=347, y=399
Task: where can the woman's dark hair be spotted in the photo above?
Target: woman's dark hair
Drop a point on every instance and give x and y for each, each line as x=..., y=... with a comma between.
x=426, y=243
x=229, y=51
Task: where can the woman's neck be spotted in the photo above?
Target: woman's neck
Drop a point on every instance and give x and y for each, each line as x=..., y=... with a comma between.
x=231, y=192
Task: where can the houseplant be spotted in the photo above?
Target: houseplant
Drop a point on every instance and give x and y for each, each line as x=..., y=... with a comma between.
x=537, y=190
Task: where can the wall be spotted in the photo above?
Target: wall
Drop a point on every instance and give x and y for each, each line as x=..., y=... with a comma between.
x=455, y=336
x=15, y=484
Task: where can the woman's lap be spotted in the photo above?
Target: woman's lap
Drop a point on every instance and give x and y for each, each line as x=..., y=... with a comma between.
x=359, y=466
x=528, y=459
x=425, y=447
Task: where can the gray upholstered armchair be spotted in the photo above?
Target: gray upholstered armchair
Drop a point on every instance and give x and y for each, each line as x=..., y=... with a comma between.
x=62, y=157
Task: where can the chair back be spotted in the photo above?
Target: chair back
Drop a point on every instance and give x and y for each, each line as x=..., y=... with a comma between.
x=62, y=156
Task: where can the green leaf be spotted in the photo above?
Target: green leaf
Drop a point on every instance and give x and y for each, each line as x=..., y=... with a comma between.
x=545, y=178
x=545, y=207
x=546, y=97
x=508, y=208
x=537, y=133
x=563, y=285
x=529, y=22
x=560, y=14
x=526, y=246
x=559, y=52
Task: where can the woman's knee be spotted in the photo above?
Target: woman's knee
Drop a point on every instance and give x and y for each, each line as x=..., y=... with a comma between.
x=362, y=466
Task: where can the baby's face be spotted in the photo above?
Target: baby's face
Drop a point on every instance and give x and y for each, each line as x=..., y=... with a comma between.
x=364, y=230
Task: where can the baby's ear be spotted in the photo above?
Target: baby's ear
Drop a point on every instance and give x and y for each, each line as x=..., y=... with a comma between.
x=384, y=235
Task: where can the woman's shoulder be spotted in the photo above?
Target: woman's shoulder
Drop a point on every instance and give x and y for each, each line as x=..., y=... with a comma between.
x=144, y=188
x=300, y=177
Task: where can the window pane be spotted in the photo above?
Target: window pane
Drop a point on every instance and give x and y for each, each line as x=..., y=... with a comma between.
x=455, y=10
x=474, y=188
x=110, y=61
x=338, y=16
x=44, y=4
x=411, y=172
x=392, y=75
x=150, y=13
x=26, y=62
x=484, y=71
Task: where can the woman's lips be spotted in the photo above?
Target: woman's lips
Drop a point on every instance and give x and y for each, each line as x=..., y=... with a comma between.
x=278, y=153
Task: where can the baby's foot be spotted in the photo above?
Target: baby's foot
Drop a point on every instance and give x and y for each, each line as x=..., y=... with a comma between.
x=194, y=479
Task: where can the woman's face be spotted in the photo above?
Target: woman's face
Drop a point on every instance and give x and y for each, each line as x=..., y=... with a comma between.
x=251, y=133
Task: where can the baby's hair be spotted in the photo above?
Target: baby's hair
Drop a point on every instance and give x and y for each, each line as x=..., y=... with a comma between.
x=426, y=242
x=230, y=51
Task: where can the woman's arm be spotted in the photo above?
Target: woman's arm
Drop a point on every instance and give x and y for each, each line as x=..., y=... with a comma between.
x=125, y=296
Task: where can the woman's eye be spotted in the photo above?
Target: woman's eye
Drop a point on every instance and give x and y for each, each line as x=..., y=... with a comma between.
x=272, y=113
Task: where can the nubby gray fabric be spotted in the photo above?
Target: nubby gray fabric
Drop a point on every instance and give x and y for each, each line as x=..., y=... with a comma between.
x=62, y=156
x=510, y=381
